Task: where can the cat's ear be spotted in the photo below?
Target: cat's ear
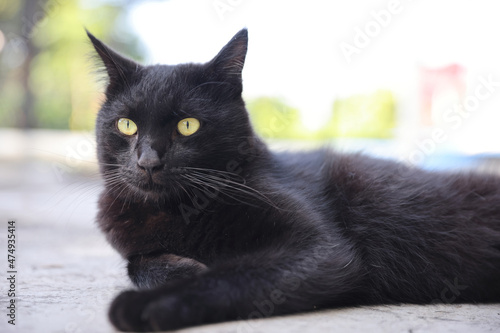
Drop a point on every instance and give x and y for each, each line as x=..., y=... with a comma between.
x=230, y=60
x=119, y=68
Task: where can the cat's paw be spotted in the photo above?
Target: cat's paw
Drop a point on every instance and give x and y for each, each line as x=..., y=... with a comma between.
x=146, y=311
x=126, y=312
x=148, y=271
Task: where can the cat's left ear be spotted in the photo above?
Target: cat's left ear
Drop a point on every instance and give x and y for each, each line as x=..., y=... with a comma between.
x=119, y=68
x=230, y=60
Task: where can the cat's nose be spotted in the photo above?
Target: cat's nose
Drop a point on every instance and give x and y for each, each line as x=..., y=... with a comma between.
x=149, y=160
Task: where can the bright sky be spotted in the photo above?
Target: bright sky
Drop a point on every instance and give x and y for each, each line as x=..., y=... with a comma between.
x=295, y=47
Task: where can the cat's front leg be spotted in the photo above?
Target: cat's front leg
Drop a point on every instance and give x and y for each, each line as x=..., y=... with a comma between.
x=150, y=271
x=248, y=288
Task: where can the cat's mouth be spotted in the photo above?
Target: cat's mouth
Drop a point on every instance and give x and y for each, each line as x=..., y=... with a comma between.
x=150, y=187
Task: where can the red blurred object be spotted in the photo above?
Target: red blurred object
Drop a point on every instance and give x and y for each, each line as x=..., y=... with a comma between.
x=435, y=81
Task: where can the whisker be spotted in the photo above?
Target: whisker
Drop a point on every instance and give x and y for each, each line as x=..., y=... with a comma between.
x=235, y=184
x=232, y=174
x=228, y=187
x=195, y=183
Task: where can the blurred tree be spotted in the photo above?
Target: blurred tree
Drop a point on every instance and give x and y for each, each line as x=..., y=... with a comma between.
x=274, y=119
x=366, y=116
x=46, y=72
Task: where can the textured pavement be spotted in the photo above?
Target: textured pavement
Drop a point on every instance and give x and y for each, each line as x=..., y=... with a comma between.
x=67, y=274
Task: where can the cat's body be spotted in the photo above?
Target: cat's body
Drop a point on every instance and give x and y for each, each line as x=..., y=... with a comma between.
x=216, y=227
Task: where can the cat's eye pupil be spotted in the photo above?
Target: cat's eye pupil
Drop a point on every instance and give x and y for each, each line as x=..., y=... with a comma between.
x=188, y=126
x=127, y=126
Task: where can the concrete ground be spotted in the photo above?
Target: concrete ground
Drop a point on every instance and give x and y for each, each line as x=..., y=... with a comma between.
x=67, y=274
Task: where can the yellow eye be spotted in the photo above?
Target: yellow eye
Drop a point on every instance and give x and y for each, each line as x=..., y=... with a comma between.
x=127, y=126
x=188, y=126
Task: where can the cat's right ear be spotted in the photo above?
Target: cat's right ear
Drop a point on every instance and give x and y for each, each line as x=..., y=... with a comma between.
x=229, y=62
x=119, y=68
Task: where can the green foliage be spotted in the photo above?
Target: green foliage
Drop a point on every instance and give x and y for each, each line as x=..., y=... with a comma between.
x=274, y=119
x=62, y=78
x=367, y=116
x=364, y=116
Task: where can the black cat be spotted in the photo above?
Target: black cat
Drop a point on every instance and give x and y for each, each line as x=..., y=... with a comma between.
x=216, y=227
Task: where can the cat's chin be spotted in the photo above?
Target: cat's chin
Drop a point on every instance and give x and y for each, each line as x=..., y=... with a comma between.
x=150, y=195
x=140, y=193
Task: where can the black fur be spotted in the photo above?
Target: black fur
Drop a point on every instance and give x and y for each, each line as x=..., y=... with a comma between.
x=224, y=229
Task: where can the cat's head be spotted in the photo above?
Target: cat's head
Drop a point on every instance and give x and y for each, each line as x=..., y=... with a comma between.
x=161, y=124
